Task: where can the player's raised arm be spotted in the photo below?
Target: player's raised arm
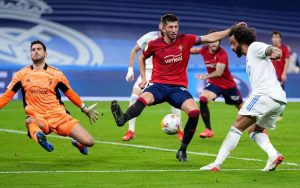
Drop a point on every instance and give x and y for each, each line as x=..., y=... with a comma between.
x=130, y=73
x=216, y=36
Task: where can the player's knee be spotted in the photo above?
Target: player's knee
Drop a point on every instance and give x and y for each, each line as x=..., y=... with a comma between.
x=89, y=142
x=203, y=101
x=29, y=120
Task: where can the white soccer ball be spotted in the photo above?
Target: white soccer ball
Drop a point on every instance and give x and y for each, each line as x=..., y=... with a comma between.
x=170, y=124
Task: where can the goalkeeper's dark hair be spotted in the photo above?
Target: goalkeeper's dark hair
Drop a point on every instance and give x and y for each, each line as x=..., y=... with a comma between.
x=38, y=42
x=169, y=18
x=243, y=34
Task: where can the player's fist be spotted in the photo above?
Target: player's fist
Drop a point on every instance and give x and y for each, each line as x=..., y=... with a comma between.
x=130, y=75
x=201, y=77
x=91, y=113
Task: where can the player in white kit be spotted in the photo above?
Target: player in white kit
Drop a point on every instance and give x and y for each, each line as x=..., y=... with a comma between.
x=265, y=103
x=136, y=91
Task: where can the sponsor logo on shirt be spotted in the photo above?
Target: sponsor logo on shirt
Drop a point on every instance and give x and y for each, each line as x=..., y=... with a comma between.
x=173, y=58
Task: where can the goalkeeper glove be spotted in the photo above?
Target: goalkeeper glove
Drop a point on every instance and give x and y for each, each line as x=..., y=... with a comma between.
x=91, y=113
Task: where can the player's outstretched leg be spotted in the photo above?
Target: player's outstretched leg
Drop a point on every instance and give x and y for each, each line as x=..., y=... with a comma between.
x=84, y=150
x=42, y=140
x=117, y=113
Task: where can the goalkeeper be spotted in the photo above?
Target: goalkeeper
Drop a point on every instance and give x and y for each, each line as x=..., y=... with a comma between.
x=40, y=85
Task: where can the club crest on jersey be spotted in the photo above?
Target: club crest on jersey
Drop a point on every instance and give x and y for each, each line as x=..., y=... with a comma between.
x=173, y=58
x=180, y=47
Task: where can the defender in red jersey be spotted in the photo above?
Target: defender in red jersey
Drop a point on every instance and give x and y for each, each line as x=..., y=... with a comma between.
x=282, y=64
x=169, y=79
x=40, y=85
x=220, y=82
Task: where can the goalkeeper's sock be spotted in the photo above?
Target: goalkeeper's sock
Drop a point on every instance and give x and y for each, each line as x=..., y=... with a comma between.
x=135, y=109
x=264, y=143
x=33, y=128
x=190, y=128
x=231, y=141
x=133, y=99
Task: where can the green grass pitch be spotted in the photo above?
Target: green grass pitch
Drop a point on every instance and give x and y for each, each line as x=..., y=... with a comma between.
x=148, y=160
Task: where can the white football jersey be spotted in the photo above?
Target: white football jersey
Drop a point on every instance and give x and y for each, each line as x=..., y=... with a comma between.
x=262, y=74
x=142, y=43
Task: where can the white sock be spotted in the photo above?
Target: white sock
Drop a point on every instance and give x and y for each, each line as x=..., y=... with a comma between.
x=264, y=143
x=177, y=112
x=229, y=144
x=131, y=122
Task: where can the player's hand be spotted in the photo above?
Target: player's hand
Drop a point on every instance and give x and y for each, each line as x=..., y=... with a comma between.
x=201, y=77
x=275, y=55
x=283, y=78
x=130, y=75
x=91, y=113
x=143, y=84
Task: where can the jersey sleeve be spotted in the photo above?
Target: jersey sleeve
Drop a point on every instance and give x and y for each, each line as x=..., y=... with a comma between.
x=143, y=41
x=259, y=49
x=148, y=51
x=286, y=53
x=12, y=89
x=65, y=87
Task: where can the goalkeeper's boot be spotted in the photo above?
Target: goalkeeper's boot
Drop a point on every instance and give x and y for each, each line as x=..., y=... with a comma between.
x=181, y=155
x=84, y=150
x=273, y=162
x=42, y=140
x=211, y=167
x=128, y=136
x=207, y=133
x=119, y=116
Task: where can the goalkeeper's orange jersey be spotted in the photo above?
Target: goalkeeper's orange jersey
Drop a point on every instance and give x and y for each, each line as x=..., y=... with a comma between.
x=40, y=89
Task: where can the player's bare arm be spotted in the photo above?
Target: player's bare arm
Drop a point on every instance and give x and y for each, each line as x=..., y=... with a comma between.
x=216, y=36
x=133, y=53
x=142, y=66
x=217, y=73
x=195, y=50
x=273, y=53
x=286, y=65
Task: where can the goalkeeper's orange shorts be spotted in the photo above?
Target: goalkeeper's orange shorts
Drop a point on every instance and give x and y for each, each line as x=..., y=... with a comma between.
x=61, y=124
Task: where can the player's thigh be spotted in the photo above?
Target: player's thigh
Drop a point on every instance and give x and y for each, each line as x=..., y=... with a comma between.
x=136, y=88
x=209, y=95
x=242, y=122
x=79, y=133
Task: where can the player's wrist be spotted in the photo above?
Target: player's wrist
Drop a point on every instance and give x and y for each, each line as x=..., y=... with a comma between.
x=130, y=69
x=83, y=108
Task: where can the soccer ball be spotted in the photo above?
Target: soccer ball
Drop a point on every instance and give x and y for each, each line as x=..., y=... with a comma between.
x=170, y=124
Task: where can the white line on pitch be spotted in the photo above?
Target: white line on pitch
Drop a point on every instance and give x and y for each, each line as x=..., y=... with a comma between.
x=150, y=147
x=127, y=171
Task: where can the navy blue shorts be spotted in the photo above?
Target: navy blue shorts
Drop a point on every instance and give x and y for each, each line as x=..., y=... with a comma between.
x=173, y=94
x=231, y=95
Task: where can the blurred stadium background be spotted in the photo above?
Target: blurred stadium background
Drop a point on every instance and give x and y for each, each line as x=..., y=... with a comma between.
x=90, y=40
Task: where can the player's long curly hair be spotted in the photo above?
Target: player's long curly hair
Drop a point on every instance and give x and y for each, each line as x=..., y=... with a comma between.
x=243, y=34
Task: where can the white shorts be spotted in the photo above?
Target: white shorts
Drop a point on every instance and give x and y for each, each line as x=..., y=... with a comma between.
x=265, y=109
x=139, y=79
